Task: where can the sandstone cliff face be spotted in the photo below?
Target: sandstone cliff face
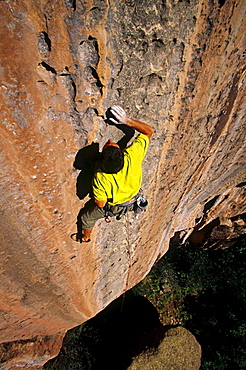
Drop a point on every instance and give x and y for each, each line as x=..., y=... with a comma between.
x=177, y=65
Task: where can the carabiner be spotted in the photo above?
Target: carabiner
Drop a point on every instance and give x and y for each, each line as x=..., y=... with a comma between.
x=107, y=217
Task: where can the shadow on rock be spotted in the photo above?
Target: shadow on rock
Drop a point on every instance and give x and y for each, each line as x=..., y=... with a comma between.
x=86, y=160
x=111, y=338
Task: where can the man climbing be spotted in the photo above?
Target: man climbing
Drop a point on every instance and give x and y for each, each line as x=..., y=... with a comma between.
x=117, y=182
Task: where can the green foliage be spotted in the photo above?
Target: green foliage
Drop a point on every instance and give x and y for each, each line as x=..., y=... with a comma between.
x=207, y=289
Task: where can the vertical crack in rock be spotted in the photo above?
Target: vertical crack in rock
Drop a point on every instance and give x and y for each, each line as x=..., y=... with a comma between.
x=44, y=43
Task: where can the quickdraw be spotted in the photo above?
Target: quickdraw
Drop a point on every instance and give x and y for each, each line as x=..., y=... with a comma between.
x=107, y=217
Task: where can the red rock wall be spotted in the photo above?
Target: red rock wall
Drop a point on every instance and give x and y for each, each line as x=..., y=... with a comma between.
x=179, y=66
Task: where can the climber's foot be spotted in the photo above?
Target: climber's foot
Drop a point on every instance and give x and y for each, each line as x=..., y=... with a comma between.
x=78, y=239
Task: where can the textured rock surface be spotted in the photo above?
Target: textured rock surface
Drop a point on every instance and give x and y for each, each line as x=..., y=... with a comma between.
x=30, y=353
x=177, y=65
x=178, y=350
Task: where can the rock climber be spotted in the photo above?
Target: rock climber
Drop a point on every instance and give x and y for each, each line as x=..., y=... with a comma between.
x=117, y=182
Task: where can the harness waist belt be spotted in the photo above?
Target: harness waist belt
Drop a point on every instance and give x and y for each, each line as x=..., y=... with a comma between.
x=128, y=202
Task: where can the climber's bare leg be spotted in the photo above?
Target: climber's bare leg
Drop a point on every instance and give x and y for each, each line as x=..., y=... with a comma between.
x=86, y=235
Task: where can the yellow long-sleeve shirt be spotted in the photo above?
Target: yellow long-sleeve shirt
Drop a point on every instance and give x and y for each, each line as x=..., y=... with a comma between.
x=120, y=187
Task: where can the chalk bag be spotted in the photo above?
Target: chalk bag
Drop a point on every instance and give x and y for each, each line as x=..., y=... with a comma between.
x=140, y=204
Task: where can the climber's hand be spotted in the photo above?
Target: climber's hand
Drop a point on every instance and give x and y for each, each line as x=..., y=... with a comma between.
x=119, y=114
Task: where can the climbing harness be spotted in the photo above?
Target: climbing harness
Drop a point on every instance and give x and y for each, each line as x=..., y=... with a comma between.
x=140, y=204
x=129, y=202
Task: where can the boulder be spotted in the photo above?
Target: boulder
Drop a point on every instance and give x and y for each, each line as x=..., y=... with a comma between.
x=178, y=350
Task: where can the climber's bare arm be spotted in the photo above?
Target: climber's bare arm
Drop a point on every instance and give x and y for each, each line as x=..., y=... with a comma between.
x=100, y=203
x=121, y=117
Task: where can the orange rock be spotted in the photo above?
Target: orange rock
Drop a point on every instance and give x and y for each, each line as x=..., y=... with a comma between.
x=179, y=68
